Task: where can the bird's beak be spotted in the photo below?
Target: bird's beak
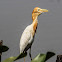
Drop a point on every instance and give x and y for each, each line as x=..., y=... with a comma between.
x=43, y=10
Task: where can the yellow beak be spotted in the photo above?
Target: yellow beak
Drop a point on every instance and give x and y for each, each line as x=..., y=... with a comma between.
x=43, y=10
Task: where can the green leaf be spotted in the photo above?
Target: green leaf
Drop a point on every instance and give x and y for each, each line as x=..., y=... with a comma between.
x=49, y=55
x=12, y=59
x=21, y=55
x=3, y=48
x=43, y=57
x=39, y=58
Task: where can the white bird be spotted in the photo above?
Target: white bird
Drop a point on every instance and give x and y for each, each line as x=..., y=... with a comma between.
x=27, y=37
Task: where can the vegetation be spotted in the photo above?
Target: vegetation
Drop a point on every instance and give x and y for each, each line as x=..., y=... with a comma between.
x=39, y=58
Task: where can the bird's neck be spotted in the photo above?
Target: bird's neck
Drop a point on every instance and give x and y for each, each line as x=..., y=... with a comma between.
x=35, y=21
x=34, y=17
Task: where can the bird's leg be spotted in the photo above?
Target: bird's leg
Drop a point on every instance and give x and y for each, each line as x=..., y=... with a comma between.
x=30, y=53
x=24, y=59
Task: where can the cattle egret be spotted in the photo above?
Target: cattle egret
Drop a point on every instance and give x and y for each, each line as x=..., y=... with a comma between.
x=27, y=37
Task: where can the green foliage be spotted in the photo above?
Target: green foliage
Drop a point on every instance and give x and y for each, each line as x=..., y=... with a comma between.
x=21, y=56
x=49, y=55
x=3, y=48
x=12, y=59
x=43, y=57
x=39, y=58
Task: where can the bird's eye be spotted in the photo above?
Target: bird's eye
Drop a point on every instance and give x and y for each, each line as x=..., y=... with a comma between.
x=38, y=9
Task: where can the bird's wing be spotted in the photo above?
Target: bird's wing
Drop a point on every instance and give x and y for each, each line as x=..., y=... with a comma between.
x=26, y=39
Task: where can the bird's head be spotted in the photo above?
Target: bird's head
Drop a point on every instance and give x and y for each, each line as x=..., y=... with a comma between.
x=37, y=11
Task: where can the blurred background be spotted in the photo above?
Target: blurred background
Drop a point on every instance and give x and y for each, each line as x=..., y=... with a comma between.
x=15, y=15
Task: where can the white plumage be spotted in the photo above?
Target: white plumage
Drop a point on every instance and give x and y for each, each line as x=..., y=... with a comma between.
x=26, y=37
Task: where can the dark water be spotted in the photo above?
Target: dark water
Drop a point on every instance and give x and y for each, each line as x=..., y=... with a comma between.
x=15, y=15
